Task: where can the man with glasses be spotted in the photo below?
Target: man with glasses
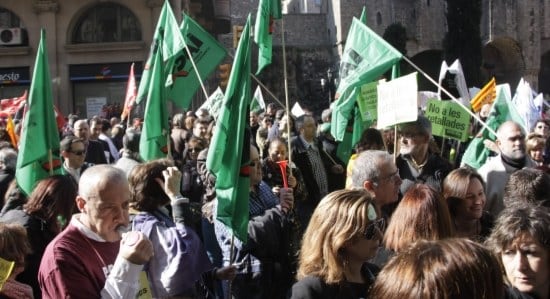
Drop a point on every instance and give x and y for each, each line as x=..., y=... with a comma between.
x=91, y=258
x=94, y=150
x=416, y=163
x=263, y=265
x=376, y=172
x=73, y=151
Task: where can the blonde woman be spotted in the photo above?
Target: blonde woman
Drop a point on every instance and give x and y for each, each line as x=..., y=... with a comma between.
x=344, y=232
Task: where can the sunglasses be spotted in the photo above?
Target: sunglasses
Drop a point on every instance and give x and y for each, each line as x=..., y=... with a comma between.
x=79, y=153
x=194, y=150
x=377, y=225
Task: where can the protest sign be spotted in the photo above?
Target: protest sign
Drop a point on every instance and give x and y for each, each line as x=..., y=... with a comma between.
x=397, y=101
x=448, y=119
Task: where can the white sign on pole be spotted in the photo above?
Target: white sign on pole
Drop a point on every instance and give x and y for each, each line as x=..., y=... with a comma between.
x=397, y=101
x=94, y=106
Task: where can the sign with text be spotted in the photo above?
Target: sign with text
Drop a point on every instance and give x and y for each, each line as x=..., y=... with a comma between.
x=448, y=119
x=397, y=101
x=94, y=106
x=366, y=100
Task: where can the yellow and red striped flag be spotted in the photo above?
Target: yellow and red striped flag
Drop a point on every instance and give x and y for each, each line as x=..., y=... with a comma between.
x=10, y=129
x=486, y=95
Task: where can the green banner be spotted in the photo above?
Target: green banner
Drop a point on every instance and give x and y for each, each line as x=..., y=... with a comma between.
x=367, y=99
x=448, y=119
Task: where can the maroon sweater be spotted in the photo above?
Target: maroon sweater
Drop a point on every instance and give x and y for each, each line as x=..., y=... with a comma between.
x=74, y=266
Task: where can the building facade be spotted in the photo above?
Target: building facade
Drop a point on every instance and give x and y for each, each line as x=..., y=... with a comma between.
x=92, y=43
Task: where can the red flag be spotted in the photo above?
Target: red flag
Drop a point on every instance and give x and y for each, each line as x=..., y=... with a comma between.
x=131, y=93
x=59, y=118
x=10, y=106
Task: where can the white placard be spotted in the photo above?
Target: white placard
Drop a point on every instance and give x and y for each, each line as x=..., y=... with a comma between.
x=397, y=101
x=94, y=105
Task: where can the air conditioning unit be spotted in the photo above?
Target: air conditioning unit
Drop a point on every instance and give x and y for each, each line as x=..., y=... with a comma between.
x=11, y=36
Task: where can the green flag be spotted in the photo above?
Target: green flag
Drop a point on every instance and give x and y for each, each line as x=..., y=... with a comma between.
x=363, y=17
x=366, y=57
x=502, y=110
x=206, y=53
x=172, y=45
x=228, y=156
x=263, y=30
x=154, y=134
x=39, y=146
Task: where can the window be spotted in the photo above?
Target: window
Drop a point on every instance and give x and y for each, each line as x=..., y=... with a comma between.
x=378, y=18
x=107, y=23
x=8, y=19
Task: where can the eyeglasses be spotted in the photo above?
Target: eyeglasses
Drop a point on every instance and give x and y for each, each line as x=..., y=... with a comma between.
x=194, y=150
x=254, y=163
x=79, y=153
x=377, y=225
x=409, y=135
x=393, y=177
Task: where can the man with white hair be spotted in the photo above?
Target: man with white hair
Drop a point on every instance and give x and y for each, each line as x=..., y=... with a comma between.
x=416, y=163
x=376, y=172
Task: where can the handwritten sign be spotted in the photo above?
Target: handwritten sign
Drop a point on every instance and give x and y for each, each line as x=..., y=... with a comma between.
x=397, y=101
x=94, y=106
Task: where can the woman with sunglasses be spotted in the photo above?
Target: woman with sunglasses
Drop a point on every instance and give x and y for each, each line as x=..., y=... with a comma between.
x=343, y=234
x=422, y=214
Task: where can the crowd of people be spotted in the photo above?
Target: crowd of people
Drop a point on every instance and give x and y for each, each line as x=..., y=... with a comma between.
x=409, y=224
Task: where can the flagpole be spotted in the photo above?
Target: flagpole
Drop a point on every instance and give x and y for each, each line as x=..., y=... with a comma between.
x=50, y=159
x=266, y=89
x=196, y=70
x=286, y=93
x=450, y=95
x=231, y=261
x=262, y=85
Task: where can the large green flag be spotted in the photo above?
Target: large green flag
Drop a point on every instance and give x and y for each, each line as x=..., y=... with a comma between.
x=39, y=147
x=153, y=143
x=228, y=156
x=173, y=44
x=366, y=57
x=263, y=30
x=502, y=110
x=206, y=53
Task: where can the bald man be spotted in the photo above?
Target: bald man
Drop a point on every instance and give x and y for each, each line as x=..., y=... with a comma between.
x=90, y=258
x=496, y=172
